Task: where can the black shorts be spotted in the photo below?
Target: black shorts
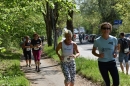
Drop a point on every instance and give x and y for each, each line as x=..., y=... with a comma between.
x=27, y=55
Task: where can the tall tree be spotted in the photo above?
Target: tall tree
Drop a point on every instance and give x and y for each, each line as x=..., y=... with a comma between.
x=107, y=11
x=90, y=15
x=70, y=20
x=51, y=11
x=71, y=8
x=47, y=14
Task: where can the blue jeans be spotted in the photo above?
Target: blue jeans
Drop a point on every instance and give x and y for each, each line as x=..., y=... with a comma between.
x=123, y=56
x=109, y=67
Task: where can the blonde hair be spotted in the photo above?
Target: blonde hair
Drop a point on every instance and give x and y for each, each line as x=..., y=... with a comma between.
x=106, y=23
x=66, y=31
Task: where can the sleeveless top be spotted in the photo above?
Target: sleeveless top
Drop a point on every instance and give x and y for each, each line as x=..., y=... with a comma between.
x=67, y=50
x=27, y=44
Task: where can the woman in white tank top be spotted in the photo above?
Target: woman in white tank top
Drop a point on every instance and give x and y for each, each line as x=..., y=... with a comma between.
x=67, y=57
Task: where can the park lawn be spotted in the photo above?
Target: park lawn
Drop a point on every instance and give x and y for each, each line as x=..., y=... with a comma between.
x=88, y=68
x=10, y=73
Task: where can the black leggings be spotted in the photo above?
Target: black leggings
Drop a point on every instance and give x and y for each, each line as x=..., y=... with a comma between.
x=106, y=68
x=27, y=55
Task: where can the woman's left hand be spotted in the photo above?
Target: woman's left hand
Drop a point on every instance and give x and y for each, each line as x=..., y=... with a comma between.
x=115, y=55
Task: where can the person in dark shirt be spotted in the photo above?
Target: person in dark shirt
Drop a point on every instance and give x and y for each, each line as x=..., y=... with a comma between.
x=42, y=39
x=36, y=44
x=80, y=37
x=27, y=51
x=123, y=56
x=83, y=36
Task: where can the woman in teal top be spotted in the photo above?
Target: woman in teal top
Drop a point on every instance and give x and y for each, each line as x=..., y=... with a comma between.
x=107, y=47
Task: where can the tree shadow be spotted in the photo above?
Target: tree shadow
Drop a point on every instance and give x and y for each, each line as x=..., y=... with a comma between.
x=9, y=55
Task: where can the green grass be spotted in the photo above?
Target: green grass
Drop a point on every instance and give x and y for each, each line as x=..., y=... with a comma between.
x=51, y=52
x=88, y=68
x=124, y=79
x=10, y=73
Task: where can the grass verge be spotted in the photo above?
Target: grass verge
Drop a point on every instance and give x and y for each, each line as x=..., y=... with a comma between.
x=88, y=68
x=10, y=73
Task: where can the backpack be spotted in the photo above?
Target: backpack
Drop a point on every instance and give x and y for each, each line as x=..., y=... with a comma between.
x=80, y=36
x=125, y=46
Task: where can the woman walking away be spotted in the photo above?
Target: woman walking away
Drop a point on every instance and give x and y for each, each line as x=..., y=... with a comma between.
x=107, y=47
x=36, y=49
x=67, y=58
x=123, y=46
x=27, y=51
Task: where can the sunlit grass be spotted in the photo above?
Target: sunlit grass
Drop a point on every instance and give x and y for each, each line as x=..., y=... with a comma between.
x=88, y=68
x=51, y=52
x=10, y=73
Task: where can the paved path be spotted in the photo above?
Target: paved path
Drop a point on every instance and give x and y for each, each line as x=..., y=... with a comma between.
x=50, y=74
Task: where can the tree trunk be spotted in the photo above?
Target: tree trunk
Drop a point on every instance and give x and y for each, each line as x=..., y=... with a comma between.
x=51, y=18
x=70, y=22
x=55, y=16
x=48, y=22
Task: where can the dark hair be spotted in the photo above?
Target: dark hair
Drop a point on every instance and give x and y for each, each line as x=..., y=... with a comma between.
x=35, y=34
x=106, y=23
x=122, y=34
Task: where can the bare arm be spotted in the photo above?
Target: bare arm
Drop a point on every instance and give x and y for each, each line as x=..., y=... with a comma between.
x=115, y=51
x=101, y=55
x=94, y=51
x=59, y=46
x=76, y=50
x=119, y=47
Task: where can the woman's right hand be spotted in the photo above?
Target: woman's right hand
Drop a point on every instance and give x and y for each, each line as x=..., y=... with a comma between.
x=61, y=58
x=101, y=55
x=37, y=45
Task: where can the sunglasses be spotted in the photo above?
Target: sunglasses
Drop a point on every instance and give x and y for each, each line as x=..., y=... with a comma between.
x=105, y=28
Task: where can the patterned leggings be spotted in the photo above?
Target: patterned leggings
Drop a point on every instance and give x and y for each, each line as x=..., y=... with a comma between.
x=69, y=71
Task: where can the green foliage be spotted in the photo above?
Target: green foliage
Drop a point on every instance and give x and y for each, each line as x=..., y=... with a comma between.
x=123, y=9
x=10, y=73
x=89, y=16
x=19, y=18
x=2, y=49
x=94, y=12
